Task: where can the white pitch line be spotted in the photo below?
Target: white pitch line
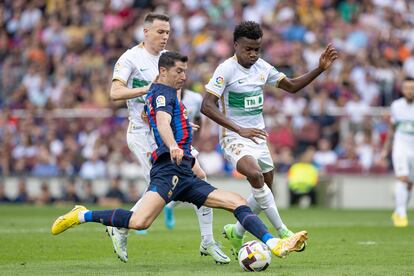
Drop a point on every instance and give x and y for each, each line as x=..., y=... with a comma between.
x=367, y=243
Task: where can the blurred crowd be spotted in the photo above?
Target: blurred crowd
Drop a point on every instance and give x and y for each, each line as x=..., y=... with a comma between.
x=59, y=54
x=70, y=190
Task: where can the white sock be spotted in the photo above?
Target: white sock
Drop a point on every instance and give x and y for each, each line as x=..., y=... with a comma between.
x=133, y=209
x=205, y=219
x=271, y=243
x=266, y=201
x=401, y=198
x=252, y=203
x=172, y=204
x=81, y=216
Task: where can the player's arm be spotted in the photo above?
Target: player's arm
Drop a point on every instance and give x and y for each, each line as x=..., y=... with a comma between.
x=119, y=91
x=167, y=135
x=388, y=141
x=209, y=107
x=296, y=84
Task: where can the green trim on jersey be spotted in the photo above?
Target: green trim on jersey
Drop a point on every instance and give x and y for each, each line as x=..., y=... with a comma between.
x=406, y=127
x=246, y=103
x=138, y=83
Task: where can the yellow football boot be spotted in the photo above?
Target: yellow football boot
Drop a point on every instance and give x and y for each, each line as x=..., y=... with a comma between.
x=399, y=221
x=290, y=244
x=68, y=220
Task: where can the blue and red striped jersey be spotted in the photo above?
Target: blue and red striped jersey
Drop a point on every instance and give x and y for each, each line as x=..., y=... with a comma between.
x=161, y=97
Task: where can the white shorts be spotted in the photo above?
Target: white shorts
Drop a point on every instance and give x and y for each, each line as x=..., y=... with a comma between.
x=142, y=144
x=236, y=148
x=403, y=160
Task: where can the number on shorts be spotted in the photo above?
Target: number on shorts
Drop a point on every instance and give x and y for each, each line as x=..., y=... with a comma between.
x=236, y=148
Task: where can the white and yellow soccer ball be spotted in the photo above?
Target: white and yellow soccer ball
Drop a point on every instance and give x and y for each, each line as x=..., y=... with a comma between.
x=254, y=256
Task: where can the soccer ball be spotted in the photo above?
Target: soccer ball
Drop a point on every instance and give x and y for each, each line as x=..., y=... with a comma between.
x=254, y=256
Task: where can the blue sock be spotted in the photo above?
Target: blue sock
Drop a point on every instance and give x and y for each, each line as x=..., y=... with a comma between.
x=252, y=223
x=88, y=216
x=116, y=217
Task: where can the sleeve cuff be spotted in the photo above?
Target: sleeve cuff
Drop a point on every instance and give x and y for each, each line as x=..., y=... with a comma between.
x=212, y=92
x=281, y=77
x=121, y=80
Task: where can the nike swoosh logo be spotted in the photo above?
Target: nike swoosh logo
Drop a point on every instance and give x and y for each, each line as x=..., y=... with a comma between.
x=241, y=81
x=143, y=69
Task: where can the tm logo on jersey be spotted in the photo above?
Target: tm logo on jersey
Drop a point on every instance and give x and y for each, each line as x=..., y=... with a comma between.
x=253, y=102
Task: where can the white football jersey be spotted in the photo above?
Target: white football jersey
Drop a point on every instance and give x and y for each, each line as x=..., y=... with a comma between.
x=241, y=91
x=192, y=102
x=136, y=68
x=402, y=116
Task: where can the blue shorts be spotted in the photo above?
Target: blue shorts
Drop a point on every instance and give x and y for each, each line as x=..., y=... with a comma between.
x=178, y=182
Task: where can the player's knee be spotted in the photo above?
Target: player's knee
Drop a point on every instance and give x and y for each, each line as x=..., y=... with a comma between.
x=256, y=176
x=141, y=223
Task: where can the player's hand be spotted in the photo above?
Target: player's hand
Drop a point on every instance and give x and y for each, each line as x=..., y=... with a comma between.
x=144, y=117
x=328, y=57
x=195, y=127
x=253, y=134
x=176, y=154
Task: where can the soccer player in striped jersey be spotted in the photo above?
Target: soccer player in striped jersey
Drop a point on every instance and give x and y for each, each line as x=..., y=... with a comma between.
x=402, y=135
x=133, y=73
x=235, y=101
x=172, y=177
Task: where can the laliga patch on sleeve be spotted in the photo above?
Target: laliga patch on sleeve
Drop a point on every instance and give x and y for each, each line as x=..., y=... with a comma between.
x=160, y=101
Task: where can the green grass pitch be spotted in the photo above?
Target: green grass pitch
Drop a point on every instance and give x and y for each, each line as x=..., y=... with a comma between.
x=341, y=243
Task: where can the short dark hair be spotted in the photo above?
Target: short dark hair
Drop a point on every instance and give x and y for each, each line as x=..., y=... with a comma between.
x=408, y=78
x=150, y=17
x=168, y=59
x=247, y=29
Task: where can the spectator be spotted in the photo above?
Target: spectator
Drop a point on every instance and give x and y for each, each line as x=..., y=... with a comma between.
x=22, y=194
x=45, y=197
x=60, y=54
x=89, y=196
x=69, y=194
x=93, y=168
x=324, y=156
x=133, y=194
x=303, y=178
x=284, y=160
x=115, y=196
x=3, y=196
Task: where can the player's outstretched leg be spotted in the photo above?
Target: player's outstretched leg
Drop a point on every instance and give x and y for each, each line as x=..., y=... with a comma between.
x=149, y=209
x=79, y=215
x=251, y=222
x=235, y=233
x=279, y=247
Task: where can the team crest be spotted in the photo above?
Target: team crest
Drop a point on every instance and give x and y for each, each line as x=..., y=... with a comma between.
x=262, y=78
x=160, y=101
